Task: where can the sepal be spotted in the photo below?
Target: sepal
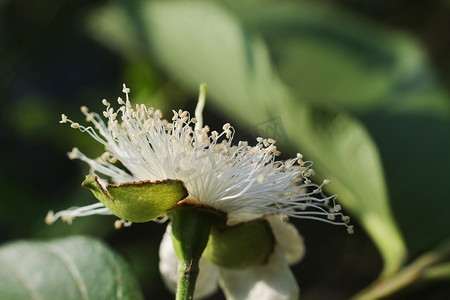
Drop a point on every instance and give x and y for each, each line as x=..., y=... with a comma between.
x=140, y=201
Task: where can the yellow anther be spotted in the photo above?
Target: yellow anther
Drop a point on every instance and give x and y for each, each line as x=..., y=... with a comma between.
x=75, y=153
x=350, y=230
x=50, y=218
x=67, y=219
x=63, y=118
x=104, y=156
x=118, y=224
x=226, y=126
x=89, y=117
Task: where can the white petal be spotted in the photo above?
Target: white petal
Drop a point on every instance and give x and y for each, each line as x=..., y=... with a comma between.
x=288, y=238
x=272, y=281
x=168, y=264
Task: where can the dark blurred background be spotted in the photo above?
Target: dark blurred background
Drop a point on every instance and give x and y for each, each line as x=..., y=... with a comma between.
x=51, y=62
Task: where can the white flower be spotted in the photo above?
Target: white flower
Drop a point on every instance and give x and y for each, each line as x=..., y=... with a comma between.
x=244, y=182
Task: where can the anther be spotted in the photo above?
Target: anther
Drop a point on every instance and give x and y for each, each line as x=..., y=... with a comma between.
x=63, y=118
x=50, y=218
x=104, y=156
x=75, y=153
x=175, y=116
x=67, y=219
x=125, y=90
x=350, y=230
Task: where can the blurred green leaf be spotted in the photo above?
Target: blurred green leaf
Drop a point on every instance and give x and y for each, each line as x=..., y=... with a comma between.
x=68, y=268
x=330, y=56
x=202, y=42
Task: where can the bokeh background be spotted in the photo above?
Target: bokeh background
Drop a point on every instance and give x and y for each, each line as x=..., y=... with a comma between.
x=360, y=87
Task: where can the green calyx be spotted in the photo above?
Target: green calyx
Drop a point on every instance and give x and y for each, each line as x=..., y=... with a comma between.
x=140, y=201
x=190, y=233
x=190, y=230
x=199, y=230
x=241, y=246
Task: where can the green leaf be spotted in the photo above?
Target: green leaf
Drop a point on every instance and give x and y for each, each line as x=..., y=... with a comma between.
x=140, y=201
x=202, y=42
x=69, y=268
x=241, y=246
x=385, y=77
x=331, y=56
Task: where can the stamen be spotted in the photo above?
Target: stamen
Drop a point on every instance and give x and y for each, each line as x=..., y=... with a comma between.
x=240, y=180
x=119, y=223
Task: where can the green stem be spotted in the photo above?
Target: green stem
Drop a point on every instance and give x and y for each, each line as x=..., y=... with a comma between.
x=190, y=233
x=187, y=274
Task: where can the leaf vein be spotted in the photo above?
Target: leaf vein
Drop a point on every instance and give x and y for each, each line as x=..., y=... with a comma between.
x=20, y=275
x=73, y=270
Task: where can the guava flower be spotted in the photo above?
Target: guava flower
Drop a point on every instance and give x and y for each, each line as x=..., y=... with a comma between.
x=238, y=182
